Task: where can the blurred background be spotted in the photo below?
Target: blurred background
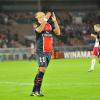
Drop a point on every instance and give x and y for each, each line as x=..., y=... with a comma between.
x=75, y=17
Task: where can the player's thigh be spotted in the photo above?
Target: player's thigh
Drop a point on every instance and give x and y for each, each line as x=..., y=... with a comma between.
x=48, y=58
x=41, y=59
x=95, y=52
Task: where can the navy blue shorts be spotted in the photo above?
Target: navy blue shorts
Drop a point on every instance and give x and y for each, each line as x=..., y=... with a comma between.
x=43, y=59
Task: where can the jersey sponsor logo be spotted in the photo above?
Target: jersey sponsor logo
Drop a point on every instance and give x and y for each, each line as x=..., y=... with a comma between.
x=49, y=35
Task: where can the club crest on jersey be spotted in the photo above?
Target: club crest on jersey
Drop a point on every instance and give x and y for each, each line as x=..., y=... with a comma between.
x=47, y=27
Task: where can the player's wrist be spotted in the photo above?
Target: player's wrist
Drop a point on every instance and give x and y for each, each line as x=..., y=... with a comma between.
x=54, y=21
x=45, y=19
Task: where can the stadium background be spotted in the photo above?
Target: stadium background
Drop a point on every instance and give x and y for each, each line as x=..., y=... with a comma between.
x=66, y=79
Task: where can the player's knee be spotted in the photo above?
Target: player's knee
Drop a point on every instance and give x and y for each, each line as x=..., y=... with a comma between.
x=42, y=69
x=94, y=56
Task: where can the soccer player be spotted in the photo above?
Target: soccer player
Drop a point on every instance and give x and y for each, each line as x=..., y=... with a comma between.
x=96, y=47
x=44, y=40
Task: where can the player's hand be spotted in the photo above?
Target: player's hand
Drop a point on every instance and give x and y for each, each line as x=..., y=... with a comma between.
x=48, y=15
x=53, y=17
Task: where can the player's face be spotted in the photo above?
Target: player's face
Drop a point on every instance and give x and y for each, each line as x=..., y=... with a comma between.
x=40, y=16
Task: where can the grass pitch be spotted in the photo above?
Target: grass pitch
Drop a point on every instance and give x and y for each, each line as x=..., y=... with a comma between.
x=65, y=79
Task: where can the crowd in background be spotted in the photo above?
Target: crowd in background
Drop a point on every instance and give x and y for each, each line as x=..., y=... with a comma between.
x=7, y=39
x=76, y=27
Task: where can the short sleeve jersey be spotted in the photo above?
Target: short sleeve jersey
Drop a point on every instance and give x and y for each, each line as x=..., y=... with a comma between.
x=44, y=40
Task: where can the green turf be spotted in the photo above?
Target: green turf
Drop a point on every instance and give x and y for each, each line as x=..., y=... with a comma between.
x=65, y=79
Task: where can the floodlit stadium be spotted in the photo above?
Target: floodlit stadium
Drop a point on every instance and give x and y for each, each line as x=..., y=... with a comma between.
x=74, y=70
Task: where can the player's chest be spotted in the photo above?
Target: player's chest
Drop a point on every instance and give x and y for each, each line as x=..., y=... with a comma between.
x=47, y=27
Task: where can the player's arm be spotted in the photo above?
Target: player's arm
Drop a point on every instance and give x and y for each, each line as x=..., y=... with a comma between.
x=93, y=35
x=57, y=28
x=40, y=28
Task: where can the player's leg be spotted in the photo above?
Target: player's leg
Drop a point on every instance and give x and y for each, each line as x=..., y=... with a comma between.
x=48, y=58
x=39, y=77
x=38, y=82
x=99, y=55
x=93, y=61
